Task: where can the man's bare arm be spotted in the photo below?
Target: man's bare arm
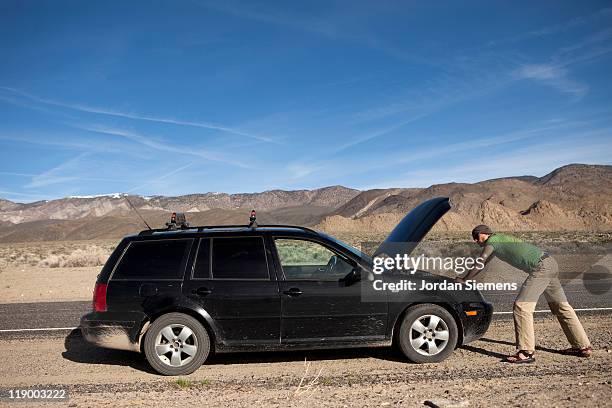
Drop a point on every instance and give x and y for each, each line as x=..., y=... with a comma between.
x=486, y=253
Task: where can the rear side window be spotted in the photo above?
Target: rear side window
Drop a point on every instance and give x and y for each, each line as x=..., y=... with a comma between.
x=239, y=258
x=201, y=269
x=164, y=259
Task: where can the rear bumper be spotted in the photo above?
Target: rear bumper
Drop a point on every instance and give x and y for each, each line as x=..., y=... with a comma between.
x=104, y=329
x=474, y=327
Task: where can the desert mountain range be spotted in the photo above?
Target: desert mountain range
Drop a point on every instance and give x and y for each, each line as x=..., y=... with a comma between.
x=573, y=197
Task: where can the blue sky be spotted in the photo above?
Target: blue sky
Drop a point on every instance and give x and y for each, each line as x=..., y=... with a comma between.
x=182, y=97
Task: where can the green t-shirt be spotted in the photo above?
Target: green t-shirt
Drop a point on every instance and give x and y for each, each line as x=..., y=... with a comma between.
x=516, y=252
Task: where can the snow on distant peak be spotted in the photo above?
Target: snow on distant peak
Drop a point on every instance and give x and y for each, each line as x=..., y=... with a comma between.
x=113, y=195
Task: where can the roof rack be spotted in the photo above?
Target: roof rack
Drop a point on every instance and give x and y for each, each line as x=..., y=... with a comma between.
x=288, y=226
x=208, y=227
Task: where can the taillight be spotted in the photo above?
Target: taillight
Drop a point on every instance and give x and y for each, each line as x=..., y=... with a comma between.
x=99, y=297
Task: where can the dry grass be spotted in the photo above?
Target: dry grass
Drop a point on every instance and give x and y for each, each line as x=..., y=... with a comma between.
x=91, y=256
x=56, y=254
x=307, y=386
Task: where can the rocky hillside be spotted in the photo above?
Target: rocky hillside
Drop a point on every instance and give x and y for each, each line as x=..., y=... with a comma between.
x=71, y=208
x=573, y=197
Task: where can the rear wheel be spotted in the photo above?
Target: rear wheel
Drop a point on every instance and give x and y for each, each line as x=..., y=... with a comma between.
x=428, y=334
x=176, y=344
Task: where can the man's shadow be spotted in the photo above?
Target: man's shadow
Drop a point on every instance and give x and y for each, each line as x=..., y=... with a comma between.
x=501, y=356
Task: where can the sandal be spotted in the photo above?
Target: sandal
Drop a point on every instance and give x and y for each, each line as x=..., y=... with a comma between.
x=578, y=352
x=521, y=357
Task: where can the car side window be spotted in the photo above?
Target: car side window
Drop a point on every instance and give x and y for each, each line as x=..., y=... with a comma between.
x=201, y=269
x=159, y=259
x=239, y=258
x=308, y=260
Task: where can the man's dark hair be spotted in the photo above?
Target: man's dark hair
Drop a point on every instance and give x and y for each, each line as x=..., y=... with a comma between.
x=481, y=229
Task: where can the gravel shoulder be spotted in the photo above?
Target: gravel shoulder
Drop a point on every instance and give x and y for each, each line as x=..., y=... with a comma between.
x=352, y=378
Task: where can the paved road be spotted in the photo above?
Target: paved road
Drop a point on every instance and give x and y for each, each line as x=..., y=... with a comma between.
x=66, y=315
x=42, y=315
x=598, y=296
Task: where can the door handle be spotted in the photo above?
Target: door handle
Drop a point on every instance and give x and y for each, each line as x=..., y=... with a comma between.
x=293, y=292
x=147, y=289
x=201, y=291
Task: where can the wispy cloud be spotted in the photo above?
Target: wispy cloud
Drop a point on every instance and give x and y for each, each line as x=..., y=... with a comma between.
x=15, y=174
x=471, y=84
x=68, y=171
x=554, y=76
x=418, y=156
x=430, y=102
x=64, y=143
x=325, y=26
x=318, y=26
x=136, y=116
x=475, y=142
x=359, y=139
x=17, y=196
x=300, y=170
x=56, y=174
x=161, y=178
x=556, y=73
x=160, y=146
x=565, y=26
x=537, y=160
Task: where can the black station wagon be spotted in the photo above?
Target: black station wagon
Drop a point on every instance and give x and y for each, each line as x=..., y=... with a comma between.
x=179, y=294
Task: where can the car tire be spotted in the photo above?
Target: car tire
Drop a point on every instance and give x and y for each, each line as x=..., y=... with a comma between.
x=176, y=344
x=428, y=334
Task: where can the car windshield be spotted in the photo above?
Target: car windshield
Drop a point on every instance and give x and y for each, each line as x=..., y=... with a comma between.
x=348, y=247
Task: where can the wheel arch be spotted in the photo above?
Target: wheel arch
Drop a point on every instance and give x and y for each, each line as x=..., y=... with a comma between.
x=198, y=313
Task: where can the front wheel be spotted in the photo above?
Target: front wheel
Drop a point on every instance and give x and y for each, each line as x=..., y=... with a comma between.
x=176, y=344
x=428, y=334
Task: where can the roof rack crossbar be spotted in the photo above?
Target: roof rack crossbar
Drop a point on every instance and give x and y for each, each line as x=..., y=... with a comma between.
x=207, y=227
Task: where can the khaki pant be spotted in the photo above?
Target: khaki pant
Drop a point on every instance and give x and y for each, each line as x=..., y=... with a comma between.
x=545, y=279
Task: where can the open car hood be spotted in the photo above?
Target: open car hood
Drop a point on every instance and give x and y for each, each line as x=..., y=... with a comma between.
x=413, y=227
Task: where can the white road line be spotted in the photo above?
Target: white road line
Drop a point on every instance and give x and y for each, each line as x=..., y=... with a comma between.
x=577, y=310
x=40, y=329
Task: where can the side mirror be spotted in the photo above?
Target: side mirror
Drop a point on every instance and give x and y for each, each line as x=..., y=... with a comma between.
x=351, y=277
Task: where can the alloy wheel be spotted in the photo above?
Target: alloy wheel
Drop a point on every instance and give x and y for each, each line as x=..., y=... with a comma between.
x=429, y=335
x=176, y=345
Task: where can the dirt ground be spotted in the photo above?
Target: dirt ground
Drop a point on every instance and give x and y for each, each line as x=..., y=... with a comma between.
x=46, y=284
x=473, y=376
x=51, y=271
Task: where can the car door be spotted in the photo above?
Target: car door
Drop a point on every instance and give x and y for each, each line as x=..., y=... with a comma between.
x=149, y=275
x=231, y=281
x=317, y=302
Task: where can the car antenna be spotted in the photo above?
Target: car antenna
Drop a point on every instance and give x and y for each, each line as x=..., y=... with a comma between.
x=253, y=220
x=136, y=211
